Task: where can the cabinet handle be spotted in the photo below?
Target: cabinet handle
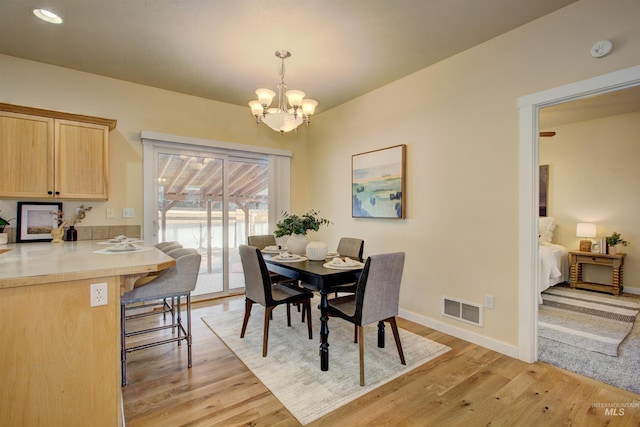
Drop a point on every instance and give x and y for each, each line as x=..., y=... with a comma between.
x=57, y=193
x=49, y=192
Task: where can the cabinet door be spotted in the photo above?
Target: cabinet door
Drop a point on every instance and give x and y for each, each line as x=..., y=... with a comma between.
x=82, y=160
x=26, y=153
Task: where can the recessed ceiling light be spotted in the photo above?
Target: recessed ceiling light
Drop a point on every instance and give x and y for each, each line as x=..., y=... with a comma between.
x=47, y=16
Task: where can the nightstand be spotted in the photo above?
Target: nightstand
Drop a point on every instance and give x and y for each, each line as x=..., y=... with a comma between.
x=615, y=262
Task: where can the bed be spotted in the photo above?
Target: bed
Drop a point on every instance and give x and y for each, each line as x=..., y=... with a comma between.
x=552, y=258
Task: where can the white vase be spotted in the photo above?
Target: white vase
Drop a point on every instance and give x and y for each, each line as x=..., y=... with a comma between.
x=4, y=238
x=317, y=251
x=297, y=244
x=56, y=234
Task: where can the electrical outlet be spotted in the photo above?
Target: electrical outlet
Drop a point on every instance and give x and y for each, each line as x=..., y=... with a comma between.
x=110, y=214
x=98, y=294
x=488, y=301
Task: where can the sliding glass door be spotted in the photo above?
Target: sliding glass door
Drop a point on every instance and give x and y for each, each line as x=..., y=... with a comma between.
x=211, y=202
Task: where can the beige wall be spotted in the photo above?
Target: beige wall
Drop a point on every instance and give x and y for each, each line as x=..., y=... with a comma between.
x=137, y=108
x=458, y=118
x=594, y=177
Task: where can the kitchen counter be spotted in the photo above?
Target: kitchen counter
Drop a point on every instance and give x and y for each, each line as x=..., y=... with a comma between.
x=36, y=263
x=60, y=356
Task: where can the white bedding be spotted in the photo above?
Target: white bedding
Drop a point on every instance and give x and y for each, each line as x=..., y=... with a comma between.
x=553, y=268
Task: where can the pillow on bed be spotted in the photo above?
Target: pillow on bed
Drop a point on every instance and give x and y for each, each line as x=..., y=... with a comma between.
x=546, y=225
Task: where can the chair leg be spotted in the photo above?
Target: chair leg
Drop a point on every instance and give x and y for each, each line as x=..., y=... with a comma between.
x=247, y=312
x=289, y=315
x=265, y=333
x=307, y=309
x=381, y=334
x=361, y=345
x=123, y=345
x=396, y=336
x=179, y=323
x=189, y=328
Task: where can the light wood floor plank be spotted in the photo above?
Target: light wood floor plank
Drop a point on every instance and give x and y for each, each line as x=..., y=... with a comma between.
x=470, y=386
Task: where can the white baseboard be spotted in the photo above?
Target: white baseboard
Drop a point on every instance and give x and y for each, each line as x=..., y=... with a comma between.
x=633, y=291
x=463, y=334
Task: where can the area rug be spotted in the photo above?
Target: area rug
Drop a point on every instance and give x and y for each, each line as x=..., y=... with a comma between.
x=291, y=369
x=587, y=320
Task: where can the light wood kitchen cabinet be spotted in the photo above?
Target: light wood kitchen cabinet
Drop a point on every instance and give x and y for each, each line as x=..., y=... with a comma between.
x=60, y=355
x=50, y=154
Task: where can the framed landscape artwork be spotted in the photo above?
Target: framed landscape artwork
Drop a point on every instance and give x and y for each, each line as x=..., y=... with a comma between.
x=378, y=183
x=35, y=221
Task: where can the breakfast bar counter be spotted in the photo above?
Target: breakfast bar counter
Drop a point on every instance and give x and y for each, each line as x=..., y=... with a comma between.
x=60, y=356
x=25, y=264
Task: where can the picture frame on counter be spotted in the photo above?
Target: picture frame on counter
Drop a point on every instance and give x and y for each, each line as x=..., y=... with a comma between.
x=35, y=221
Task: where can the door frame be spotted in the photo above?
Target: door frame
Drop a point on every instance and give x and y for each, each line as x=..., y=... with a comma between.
x=279, y=178
x=529, y=107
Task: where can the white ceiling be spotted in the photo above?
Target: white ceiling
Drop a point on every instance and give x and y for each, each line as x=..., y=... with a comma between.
x=224, y=49
x=590, y=108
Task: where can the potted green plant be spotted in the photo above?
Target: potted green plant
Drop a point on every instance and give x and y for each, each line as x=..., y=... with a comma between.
x=4, y=237
x=297, y=227
x=613, y=241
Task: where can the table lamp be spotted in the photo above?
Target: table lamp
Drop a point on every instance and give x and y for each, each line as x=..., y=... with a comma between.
x=585, y=230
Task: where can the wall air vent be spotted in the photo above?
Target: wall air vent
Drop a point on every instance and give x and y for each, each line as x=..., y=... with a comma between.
x=461, y=310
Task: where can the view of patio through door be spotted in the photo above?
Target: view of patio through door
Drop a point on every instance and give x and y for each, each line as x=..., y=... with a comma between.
x=212, y=202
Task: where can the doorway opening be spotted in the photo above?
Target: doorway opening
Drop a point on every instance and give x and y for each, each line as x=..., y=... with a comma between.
x=211, y=199
x=529, y=107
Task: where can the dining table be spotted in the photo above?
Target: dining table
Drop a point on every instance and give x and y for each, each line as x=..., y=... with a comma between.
x=316, y=276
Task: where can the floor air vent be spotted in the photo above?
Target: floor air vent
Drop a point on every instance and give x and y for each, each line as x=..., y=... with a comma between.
x=467, y=312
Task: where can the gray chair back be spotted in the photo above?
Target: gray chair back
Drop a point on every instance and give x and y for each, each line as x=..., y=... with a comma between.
x=351, y=247
x=262, y=241
x=163, y=245
x=179, y=279
x=256, y=275
x=378, y=291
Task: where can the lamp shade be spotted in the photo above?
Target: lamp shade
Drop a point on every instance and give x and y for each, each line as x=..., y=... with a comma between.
x=265, y=96
x=295, y=97
x=256, y=108
x=585, y=229
x=309, y=106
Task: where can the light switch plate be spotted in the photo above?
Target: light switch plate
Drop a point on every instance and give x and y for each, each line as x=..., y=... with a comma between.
x=127, y=212
x=110, y=214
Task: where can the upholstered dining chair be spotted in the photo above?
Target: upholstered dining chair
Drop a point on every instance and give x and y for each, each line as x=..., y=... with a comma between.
x=163, y=245
x=376, y=300
x=170, y=285
x=259, y=289
x=261, y=241
x=353, y=248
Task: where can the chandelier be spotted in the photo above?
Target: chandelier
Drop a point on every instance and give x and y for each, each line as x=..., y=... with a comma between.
x=282, y=119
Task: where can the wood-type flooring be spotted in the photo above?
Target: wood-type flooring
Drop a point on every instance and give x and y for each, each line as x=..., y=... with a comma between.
x=468, y=386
